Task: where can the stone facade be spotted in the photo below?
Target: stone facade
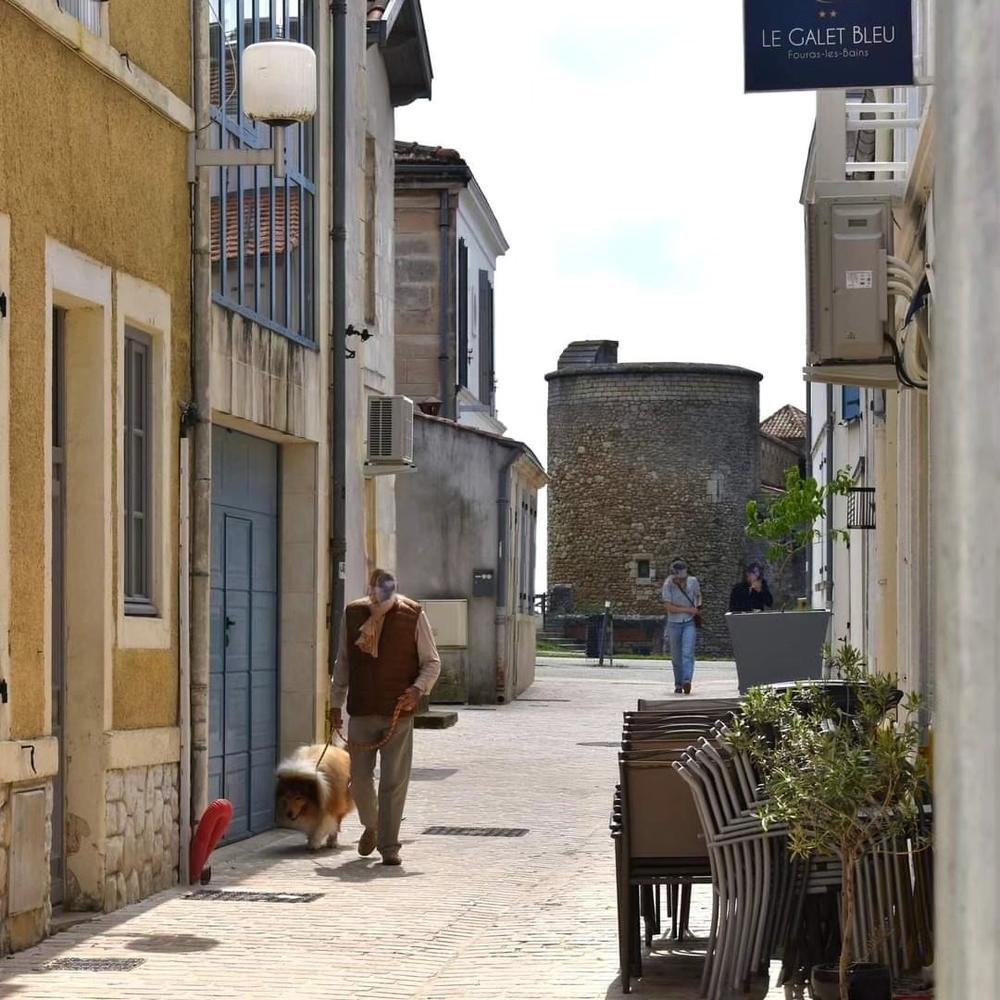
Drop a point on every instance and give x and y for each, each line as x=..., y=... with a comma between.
x=143, y=838
x=648, y=462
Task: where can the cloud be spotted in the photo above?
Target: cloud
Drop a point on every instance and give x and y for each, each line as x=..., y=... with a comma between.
x=645, y=197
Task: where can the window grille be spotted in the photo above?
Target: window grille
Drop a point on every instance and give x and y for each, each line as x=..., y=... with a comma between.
x=861, y=508
x=87, y=12
x=263, y=227
x=137, y=492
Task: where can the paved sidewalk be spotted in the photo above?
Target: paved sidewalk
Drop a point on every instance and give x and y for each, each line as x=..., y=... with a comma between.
x=466, y=917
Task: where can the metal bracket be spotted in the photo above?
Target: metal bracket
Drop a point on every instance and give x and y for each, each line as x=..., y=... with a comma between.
x=3, y=305
x=364, y=334
x=273, y=157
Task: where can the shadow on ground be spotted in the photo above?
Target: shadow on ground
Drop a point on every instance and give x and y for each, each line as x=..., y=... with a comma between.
x=363, y=870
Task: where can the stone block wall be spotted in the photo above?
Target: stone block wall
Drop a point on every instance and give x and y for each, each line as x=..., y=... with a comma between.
x=143, y=833
x=648, y=462
x=418, y=298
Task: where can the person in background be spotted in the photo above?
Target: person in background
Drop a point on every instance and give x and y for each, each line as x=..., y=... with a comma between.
x=682, y=599
x=751, y=593
x=386, y=663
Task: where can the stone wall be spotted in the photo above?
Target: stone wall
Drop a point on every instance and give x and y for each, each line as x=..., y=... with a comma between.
x=418, y=295
x=648, y=462
x=143, y=837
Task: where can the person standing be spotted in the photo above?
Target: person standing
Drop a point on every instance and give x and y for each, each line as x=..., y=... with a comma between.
x=387, y=661
x=751, y=593
x=682, y=598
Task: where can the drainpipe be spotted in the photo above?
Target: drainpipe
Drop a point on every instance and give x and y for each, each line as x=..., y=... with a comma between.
x=830, y=473
x=444, y=368
x=184, y=629
x=336, y=402
x=201, y=499
x=503, y=564
x=810, y=559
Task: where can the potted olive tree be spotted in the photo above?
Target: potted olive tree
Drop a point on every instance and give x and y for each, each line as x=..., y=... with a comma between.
x=840, y=781
x=772, y=646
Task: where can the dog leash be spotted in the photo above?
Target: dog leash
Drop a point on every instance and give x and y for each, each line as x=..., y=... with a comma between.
x=351, y=745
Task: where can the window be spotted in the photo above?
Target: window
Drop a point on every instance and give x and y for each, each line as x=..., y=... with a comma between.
x=87, y=12
x=464, y=354
x=851, y=403
x=643, y=571
x=263, y=228
x=137, y=492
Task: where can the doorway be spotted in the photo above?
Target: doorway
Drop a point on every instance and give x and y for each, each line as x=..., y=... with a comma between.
x=243, y=701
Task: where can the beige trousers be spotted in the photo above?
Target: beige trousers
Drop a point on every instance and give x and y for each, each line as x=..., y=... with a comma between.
x=384, y=812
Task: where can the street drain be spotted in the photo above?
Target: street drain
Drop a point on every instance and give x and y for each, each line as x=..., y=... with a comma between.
x=93, y=965
x=475, y=831
x=611, y=743
x=432, y=773
x=240, y=896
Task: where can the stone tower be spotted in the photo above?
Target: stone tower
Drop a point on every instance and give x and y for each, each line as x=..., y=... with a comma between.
x=648, y=462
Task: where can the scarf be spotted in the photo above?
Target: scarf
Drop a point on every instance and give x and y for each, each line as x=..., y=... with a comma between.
x=370, y=633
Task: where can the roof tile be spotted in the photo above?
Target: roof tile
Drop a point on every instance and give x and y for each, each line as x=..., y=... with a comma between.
x=788, y=423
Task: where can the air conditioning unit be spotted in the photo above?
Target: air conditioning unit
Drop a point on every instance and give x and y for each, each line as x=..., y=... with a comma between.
x=390, y=434
x=848, y=242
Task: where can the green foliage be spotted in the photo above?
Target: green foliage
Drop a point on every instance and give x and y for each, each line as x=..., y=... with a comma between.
x=789, y=524
x=837, y=780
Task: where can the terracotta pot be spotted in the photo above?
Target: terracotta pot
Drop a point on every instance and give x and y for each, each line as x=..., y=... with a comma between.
x=868, y=982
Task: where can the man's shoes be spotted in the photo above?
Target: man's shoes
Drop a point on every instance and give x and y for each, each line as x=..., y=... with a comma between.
x=678, y=690
x=687, y=688
x=391, y=858
x=367, y=843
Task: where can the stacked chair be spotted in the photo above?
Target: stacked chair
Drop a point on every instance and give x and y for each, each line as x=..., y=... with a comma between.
x=686, y=812
x=655, y=825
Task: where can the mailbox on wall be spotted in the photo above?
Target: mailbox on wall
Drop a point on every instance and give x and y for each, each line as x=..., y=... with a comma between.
x=449, y=622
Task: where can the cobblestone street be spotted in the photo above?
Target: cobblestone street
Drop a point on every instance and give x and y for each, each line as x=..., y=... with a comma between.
x=471, y=917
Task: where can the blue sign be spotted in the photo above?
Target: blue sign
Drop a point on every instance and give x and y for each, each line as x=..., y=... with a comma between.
x=816, y=44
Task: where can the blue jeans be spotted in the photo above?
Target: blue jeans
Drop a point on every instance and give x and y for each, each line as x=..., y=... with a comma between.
x=682, y=640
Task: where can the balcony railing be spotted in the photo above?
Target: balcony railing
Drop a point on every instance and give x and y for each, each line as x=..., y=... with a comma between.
x=866, y=140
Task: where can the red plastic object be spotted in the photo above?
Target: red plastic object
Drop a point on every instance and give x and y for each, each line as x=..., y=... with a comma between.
x=211, y=828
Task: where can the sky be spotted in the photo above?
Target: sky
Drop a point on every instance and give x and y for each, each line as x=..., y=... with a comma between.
x=645, y=198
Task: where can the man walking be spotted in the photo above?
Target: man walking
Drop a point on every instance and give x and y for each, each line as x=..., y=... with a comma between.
x=682, y=597
x=387, y=659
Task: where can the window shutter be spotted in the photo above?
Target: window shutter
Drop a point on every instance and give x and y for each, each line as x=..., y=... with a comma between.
x=851, y=402
x=485, y=363
x=491, y=341
x=463, y=313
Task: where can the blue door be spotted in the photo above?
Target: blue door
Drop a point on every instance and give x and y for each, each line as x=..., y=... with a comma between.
x=243, y=728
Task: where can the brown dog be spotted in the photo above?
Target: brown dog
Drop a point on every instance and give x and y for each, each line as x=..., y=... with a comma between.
x=314, y=800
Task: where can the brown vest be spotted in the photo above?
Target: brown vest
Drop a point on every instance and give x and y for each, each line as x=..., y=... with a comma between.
x=375, y=683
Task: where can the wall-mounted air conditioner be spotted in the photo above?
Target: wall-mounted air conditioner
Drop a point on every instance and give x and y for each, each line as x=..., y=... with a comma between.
x=390, y=435
x=849, y=241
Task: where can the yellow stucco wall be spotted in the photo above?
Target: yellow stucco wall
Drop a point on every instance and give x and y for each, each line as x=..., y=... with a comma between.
x=156, y=37
x=145, y=688
x=87, y=164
